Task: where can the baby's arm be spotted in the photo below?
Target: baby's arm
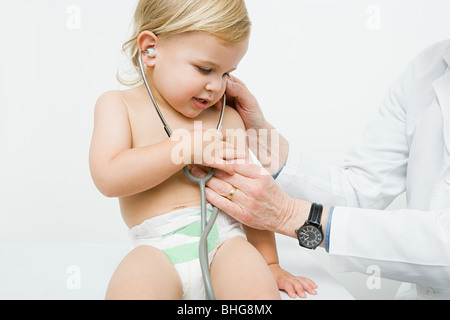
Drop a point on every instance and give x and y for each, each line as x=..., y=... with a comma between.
x=265, y=243
x=117, y=169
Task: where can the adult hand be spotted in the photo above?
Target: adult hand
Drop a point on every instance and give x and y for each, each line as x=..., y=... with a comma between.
x=270, y=146
x=245, y=103
x=258, y=202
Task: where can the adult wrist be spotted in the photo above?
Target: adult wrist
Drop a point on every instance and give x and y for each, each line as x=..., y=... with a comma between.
x=270, y=147
x=266, y=125
x=294, y=214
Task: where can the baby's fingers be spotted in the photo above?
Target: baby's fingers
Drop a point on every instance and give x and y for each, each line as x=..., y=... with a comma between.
x=294, y=289
x=289, y=289
x=305, y=284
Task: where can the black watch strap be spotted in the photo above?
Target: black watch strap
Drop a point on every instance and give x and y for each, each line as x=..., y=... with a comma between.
x=315, y=214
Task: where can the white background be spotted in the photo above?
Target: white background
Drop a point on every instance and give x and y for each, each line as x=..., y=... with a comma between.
x=319, y=69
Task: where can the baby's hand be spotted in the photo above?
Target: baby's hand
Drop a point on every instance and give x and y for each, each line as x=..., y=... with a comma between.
x=206, y=148
x=291, y=284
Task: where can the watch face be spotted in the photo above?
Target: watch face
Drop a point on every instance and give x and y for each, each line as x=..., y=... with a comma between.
x=310, y=236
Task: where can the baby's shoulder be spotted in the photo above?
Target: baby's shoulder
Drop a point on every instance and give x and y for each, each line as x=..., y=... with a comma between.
x=110, y=98
x=114, y=100
x=232, y=119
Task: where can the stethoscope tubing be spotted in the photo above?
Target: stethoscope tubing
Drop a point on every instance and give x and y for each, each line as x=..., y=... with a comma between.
x=206, y=225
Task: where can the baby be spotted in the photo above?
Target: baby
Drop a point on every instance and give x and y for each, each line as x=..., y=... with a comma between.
x=194, y=45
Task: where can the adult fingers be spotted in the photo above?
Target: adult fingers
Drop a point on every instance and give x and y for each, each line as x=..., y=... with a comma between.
x=225, y=205
x=222, y=182
x=224, y=186
x=250, y=170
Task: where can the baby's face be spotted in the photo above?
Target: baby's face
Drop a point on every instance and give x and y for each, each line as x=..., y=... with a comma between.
x=191, y=70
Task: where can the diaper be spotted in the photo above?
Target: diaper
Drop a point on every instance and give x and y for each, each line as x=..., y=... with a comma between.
x=177, y=234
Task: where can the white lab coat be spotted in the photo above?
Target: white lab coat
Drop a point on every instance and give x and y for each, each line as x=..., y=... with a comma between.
x=405, y=148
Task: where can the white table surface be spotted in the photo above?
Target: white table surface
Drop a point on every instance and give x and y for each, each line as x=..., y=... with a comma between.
x=82, y=271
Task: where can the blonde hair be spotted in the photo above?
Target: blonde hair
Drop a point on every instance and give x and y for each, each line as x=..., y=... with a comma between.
x=226, y=19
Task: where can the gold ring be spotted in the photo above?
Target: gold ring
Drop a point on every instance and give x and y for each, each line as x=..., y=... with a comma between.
x=232, y=193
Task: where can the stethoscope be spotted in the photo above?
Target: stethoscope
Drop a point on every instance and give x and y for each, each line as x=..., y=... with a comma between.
x=206, y=225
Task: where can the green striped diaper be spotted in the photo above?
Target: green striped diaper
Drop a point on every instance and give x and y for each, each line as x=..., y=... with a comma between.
x=189, y=251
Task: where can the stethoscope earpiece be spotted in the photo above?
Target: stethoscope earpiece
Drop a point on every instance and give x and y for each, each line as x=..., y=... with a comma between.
x=151, y=52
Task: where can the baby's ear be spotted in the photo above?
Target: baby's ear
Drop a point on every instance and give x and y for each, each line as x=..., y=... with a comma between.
x=147, y=42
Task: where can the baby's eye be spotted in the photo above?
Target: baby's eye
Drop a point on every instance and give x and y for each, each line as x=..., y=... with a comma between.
x=204, y=70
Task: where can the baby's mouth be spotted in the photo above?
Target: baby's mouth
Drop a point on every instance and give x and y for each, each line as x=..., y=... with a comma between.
x=201, y=103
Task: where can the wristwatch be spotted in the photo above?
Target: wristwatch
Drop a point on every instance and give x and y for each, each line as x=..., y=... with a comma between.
x=310, y=235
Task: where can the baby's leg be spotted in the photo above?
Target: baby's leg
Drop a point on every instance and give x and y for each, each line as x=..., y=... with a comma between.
x=145, y=274
x=238, y=271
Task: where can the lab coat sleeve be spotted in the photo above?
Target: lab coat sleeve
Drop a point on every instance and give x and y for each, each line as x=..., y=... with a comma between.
x=374, y=171
x=405, y=245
